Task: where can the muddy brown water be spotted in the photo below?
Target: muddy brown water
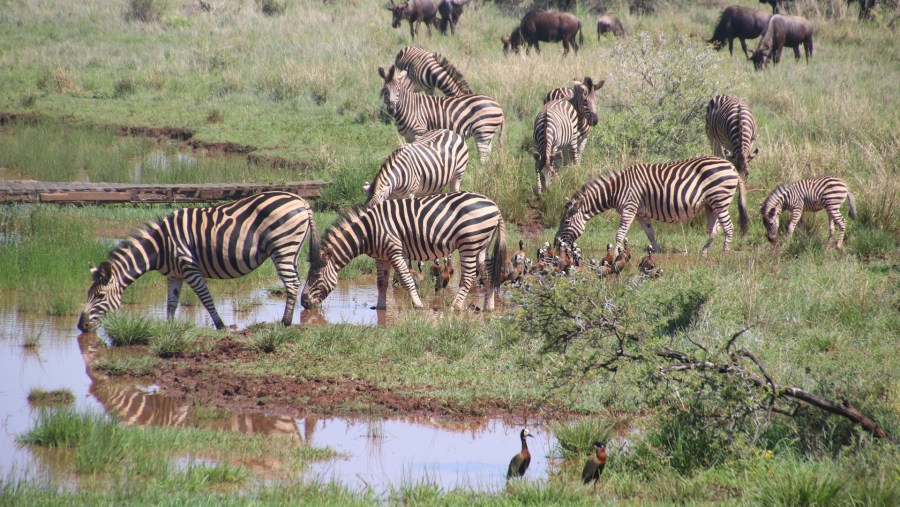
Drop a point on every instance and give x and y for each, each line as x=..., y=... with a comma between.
x=375, y=453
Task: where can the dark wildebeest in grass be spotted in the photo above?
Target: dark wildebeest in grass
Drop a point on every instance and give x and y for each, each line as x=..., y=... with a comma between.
x=865, y=7
x=781, y=32
x=450, y=11
x=776, y=5
x=739, y=22
x=414, y=11
x=540, y=26
x=609, y=23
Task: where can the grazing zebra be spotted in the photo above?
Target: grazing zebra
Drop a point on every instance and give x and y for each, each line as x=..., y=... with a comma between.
x=425, y=166
x=672, y=193
x=808, y=195
x=417, y=113
x=429, y=70
x=564, y=124
x=731, y=130
x=225, y=241
x=418, y=229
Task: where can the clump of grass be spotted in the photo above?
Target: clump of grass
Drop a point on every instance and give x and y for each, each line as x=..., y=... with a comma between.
x=123, y=87
x=27, y=100
x=801, y=484
x=125, y=329
x=103, y=444
x=147, y=11
x=215, y=116
x=275, y=290
x=222, y=473
x=271, y=339
x=272, y=7
x=56, y=397
x=65, y=81
x=576, y=439
x=172, y=339
x=244, y=305
x=136, y=366
x=63, y=428
x=32, y=340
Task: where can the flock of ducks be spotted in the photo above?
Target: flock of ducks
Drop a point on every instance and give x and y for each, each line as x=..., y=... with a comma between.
x=593, y=467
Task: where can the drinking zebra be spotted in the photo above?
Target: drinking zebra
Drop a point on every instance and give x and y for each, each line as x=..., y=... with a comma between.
x=808, y=195
x=225, y=241
x=417, y=229
x=425, y=166
x=564, y=124
x=672, y=192
x=731, y=130
x=429, y=70
x=417, y=113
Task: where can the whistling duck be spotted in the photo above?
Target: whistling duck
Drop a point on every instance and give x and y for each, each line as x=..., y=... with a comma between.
x=648, y=263
x=595, y=465
x=519, y=463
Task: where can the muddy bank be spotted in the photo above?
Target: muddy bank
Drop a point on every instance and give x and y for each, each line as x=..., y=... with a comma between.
x=201, y=377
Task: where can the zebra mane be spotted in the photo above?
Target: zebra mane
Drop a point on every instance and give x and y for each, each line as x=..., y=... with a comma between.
x=346, y=217
x=453, y=72
x=136, y=235
x=776, y=195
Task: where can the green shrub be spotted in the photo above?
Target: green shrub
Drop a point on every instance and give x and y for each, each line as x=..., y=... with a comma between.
x=172, y=339
x=123, y=87
x=801, y=484
x=576, y=439
x=271, y=339
x=272, y=7
x=125, y=329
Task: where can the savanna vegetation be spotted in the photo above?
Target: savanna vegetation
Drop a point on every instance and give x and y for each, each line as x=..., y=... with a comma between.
x=298, y=80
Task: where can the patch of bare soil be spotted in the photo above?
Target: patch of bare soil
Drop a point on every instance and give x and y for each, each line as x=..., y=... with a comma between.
x=197, y=378
x=221, y=147
x=278, y=162
x=531, y=227
x=27, y=118
x=174, y=133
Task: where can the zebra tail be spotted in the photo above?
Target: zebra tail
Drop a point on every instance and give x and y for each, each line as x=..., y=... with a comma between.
x=580, y=36
x=315, y=246
x=852, y=202
x=499, y=268
x=742, y=206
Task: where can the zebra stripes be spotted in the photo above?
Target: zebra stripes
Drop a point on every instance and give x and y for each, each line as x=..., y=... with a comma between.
x=563, y=124
x=417, y=113
x=192, y=244
x=731, y=130
x=416, y=229
x=672, y=193
x=427, y=165
x=827, y=193
x=429, y=70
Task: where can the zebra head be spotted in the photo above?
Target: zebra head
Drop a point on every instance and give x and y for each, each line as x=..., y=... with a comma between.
x=321, y=279
x=770, y=214
x=572, y=225
x=741, y=159
x=105, y=295
x=396, y=84
x=586, y=99
x=543, y=166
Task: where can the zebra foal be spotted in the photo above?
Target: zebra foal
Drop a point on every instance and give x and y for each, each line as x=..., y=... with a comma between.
x=416, y=229
x=672, y=192
x=434, y=160
x=731, y=130
x=564, y=125
x=428, y=70
x=416, y=113
x=193, y=244
x=827, y=193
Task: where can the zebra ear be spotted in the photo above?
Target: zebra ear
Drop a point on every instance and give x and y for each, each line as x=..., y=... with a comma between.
x=755, y=153
x=381, y=73
x=366, y=187
x=102, y=273
x=588, y=83
x=536, y=155
x=600, y=84
x=728, y=153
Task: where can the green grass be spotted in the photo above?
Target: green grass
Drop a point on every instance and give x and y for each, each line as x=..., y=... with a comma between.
x=270, y=339
x=118, y=365
x=576, y=439
x=39, y=397
x=172, y=339
x=124, y=329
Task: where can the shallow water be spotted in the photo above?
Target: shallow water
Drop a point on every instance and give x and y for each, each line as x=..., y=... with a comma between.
x=377, y=453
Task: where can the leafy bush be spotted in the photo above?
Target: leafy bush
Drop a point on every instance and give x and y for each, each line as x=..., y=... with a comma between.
x=664, y=86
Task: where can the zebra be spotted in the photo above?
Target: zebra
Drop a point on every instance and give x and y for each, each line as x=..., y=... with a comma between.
x=225, y=242
x=417, y=113
x=808, y=195
x=418, y=229
x=731, y=130
x=672, y=192
x=428, y=70
x=564, y=124
x=425, y=166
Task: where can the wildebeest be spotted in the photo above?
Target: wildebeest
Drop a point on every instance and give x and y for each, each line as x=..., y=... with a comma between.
x=865, y=7
x=739, y=22
x=609, y=23
x=776, y=5
x=414, y=11
x=540, y=26
x=781, y=31
x=450, y=11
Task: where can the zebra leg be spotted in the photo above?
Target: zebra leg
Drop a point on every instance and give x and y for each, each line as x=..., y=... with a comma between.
x=648, y=229
x=286, y=267
x=483, y=143
x=398, y=261
x=712, y=228
x=628, y=215
x=727, y=227
x=383, y=271
x=198, y=285
x=487, y=276
x=835, y=218
x=796, y=214
x=172, y=298
x=469, y=266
